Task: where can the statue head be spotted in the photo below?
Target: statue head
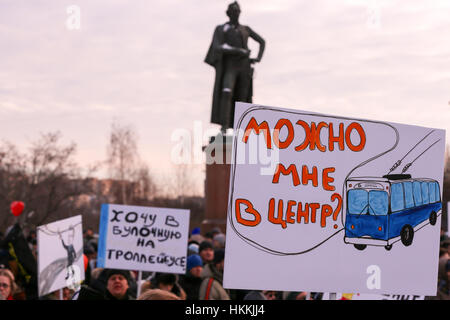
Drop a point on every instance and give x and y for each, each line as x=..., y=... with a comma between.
x=233, y=11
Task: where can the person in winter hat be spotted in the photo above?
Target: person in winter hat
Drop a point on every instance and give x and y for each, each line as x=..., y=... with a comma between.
x=211, y=287
x=117, y=285
x=206, y=251
x=192, y=280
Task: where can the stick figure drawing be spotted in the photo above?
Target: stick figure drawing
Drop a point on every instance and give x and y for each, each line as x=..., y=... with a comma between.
x=71, y=254
x=60, y=250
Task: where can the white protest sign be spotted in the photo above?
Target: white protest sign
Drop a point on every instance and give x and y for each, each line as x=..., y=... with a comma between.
x=60, y=255
x=327, y=203
x=143, y=238
x=368, y=296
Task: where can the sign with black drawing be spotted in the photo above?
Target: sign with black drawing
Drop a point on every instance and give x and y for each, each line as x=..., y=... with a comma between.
x=143, y=238
x=333, y=204
x=60, y=255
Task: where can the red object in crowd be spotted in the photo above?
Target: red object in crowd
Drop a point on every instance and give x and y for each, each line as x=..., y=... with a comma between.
x=17, y=208
x=86, y=261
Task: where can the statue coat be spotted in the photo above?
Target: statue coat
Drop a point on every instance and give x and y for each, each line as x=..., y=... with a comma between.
x=214, y=58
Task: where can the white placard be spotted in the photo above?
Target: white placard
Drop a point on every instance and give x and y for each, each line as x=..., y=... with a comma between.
x=143, y=238
x=60, y=255
x=327, y=203
x=368, y=296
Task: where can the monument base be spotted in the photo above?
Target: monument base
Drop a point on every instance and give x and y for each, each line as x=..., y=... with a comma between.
x=218, y=165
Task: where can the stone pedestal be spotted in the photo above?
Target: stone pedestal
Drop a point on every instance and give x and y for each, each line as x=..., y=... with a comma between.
x=218, y=165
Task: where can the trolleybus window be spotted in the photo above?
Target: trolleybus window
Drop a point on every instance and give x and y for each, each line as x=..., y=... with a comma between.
x=357, y=201
x=425, y=196
x=378, y=201
x=397, y=199
x=409, y=200
x=374, y=202
x=417, y=193
x=432, y=192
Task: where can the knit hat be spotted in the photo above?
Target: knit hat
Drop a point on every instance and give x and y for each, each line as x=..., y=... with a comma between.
x=205, y=245
x=197, y=238
x=193, y=261
x=193, y=248
x=166, y=278
x=195, y=231
x=220, y=238
x=111, y=272
x=216, y=230
x=255, y=295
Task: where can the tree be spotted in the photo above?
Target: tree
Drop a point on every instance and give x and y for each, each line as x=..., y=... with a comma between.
x=47, y=179
x=133, y=180
x=122, y=156
x=144, y=186
x=183, y=183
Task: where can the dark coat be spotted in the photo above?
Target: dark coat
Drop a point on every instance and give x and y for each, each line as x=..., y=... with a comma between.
x=89, y=293
x=96, y=290
x=16, y=243
x=128, y=296
x=191, y=285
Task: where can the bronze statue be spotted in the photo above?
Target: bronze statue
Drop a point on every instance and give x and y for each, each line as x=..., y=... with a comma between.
x=230, y=56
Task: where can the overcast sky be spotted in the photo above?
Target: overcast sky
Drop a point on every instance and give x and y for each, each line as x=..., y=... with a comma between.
x=141, y=63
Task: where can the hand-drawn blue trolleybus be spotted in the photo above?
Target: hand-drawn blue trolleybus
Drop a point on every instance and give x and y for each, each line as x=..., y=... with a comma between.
x=383, y=211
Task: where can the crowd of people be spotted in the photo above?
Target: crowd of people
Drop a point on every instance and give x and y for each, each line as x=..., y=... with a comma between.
x=203, y=279
x=443, y=292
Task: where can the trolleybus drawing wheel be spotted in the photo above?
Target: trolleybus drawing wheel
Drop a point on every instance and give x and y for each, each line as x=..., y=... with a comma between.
x=407, y=235
x=360, y=246
x=388, y=247
x=433, y=218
